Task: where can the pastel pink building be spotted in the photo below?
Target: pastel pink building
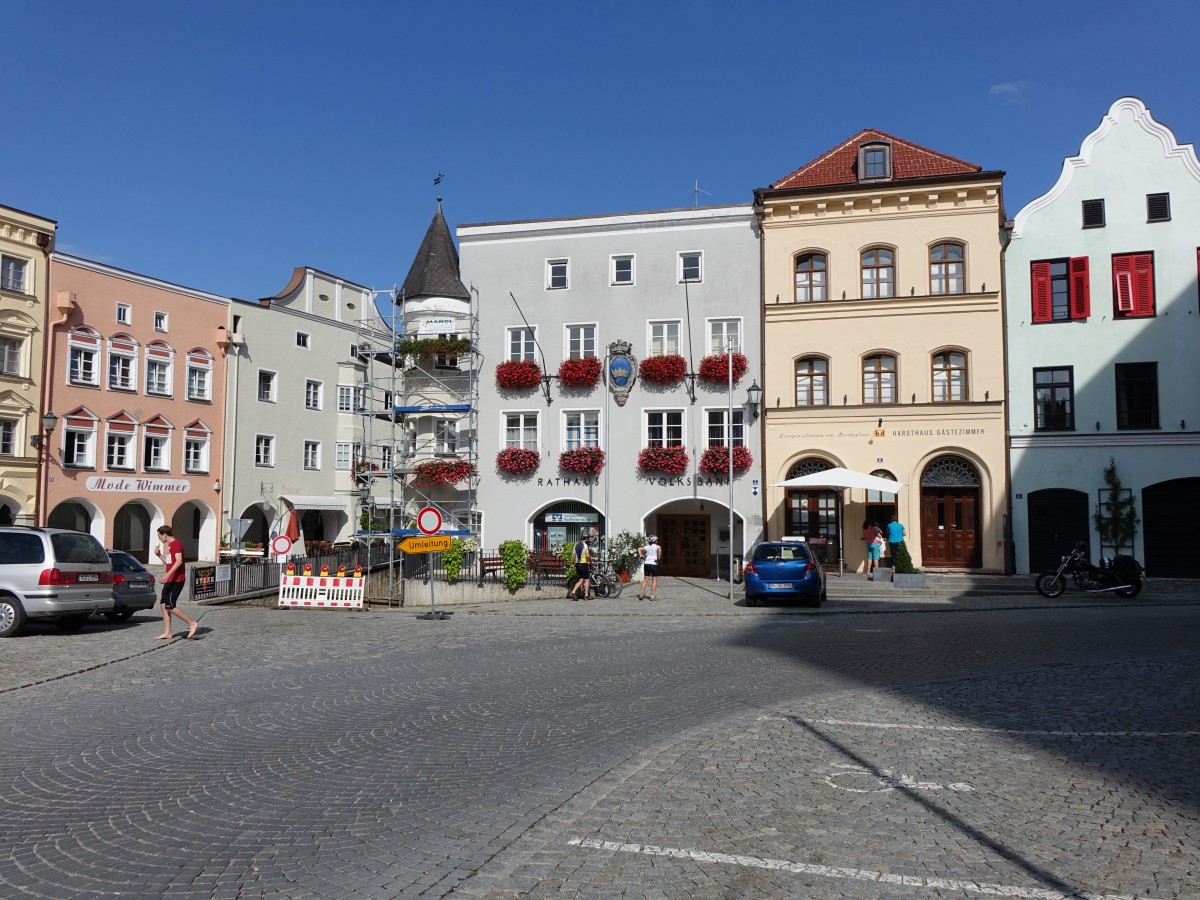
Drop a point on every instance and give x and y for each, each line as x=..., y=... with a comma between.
x=135, y=369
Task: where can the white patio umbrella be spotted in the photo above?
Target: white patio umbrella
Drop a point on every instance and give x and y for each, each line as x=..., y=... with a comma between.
x=839, y=479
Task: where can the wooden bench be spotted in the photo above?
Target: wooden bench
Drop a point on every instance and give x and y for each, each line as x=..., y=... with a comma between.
x=490, y=565
x=546, y=562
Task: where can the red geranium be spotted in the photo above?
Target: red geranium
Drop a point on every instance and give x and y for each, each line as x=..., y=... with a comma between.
x=663, y=369
x=714, y=461
x=515, y=461
x=716, y=368
x=580, y=373
x=441, y=471
x=668, y=460
x=518, y=374
x=582, y=460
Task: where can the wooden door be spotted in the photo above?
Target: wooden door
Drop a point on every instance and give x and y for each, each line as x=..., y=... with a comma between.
x=949, y=527
x=685, y=545
x=1058, y=517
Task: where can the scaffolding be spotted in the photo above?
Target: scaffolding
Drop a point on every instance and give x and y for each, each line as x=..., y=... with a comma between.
x=419, y=404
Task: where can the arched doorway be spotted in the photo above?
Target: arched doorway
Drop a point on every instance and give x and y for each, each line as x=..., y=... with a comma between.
x=71, y=515
x=813, y=514
x=563, y=523
x=1058, y=517
x=131, y=530
x=950, y=513
x=1168, y=527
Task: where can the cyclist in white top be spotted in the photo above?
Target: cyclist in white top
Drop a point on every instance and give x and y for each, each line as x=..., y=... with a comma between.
x=650, y=553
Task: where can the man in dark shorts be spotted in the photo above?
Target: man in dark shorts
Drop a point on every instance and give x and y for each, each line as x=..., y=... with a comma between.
x=170, y=551
x=583, y=570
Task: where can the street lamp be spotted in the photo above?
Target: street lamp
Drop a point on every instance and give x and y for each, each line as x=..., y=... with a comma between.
x=753, y=396
x=41, y=441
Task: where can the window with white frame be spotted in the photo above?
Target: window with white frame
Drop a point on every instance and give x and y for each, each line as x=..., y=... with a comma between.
x=664, y=428
x=118, y=451
x=721, y=332
x=302, y=340
x=385, y=457
x=160, y=364
x=581, y=341
x=664, y=338
x=199, y=376
x=160, y=321
x=264, y=450
x=622, y=269
x=156, y=452
x=343, y=455
x=122, y=363
x=557, y=274
x=312, y=394
x=522, y=343
x=124, y=314
x=195, y=455
x=521, y=430
x=312, y=455
x=581, y=428
x=445, y=360
x=719, y=432
x=12, y=274
x=350, y=398
x=446, y=438
x=83, y=354
x=691, y=266
x=8, y=437
x=10, y=356
x=266, y=386
x=79, y=445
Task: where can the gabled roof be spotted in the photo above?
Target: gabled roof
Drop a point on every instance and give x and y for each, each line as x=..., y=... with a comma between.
x=434, y=272
x=840, y=165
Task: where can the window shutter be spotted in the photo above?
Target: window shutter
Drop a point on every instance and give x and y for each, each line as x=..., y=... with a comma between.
x=1158, y=207
x=1043, y=308
x=1081, y=287
x=1093, y=213
x=1143, y=284
x=1123, y=283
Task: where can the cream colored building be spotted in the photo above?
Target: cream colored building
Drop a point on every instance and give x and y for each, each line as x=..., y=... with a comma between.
x=26, y=242
x=883, y=347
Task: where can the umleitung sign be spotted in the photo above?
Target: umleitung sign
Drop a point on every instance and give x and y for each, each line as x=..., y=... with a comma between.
x=422, y=544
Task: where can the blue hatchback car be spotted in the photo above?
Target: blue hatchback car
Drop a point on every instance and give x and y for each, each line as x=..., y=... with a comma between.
x=783, y=569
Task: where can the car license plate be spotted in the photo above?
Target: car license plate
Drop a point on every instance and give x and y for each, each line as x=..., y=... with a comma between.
x=88, y=576
x=781, y=586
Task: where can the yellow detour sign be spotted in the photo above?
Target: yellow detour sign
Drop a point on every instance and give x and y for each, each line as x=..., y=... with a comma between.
x=423, y=544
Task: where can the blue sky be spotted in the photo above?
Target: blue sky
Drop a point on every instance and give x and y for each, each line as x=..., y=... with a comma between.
x=217, y=145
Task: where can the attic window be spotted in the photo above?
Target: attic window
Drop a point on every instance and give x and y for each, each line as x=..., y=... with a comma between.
x=1093, y=213
x=1158, y=207
x=874, y=162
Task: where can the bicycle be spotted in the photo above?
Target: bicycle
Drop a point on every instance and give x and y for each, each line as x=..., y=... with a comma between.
x=606, y=582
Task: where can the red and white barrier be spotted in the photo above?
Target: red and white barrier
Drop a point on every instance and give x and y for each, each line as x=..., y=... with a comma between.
x=322, y=590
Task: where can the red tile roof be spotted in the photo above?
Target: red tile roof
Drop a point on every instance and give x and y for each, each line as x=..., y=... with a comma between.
x=839, y=165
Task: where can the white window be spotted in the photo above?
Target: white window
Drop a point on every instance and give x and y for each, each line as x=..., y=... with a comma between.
x=83, y=355
x=622, y=269
x=264, y=450
x=8, y=434
x=79, y=445
x=195, y=455
x=446, y=441
x=350, y=398
x=522, y=343
x=521, y=430
x=664, y=338
x=581, y=429
x=581, y=341
x=718, y=428
x=158, y=377
x=343, y=456
x=266, y=386
x=120, y=372
x=160, y=321
x=12, y=274
x=557, y=274
x=445, y=360
x=312, y=394
x=691, y=266
x=721, y=332
x=302, y=340
x=199, y=380
x=10, y=356
x=156, y=453
x=664, y=428
x=118, y=451
x=312, y=455
x=124, y=314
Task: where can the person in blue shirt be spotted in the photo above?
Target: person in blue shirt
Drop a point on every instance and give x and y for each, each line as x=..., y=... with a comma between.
x=895, y=532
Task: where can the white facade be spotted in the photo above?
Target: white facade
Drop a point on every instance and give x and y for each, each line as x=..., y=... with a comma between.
x=682, y=281
x=1103, y=312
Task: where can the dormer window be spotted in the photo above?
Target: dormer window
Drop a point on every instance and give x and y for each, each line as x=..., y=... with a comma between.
x=874, y=162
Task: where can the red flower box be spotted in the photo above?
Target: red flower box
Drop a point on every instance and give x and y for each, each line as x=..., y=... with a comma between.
x=441, y=471
x=716, y=368
x=714, y=461
x=582, y=460
x=580, y=373
x=668, y=460
x=515, y=461
x=518, y=374
x=663, y=369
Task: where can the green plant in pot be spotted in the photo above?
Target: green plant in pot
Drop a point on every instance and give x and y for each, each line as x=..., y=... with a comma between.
x=623, y=551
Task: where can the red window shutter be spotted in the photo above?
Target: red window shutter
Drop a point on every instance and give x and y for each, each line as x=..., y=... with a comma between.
x=1123, y=289
x=1081, y=288
x=1143, y=284
x=1043, y=308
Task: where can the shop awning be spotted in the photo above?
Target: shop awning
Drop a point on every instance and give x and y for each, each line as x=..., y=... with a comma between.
x=341, y=504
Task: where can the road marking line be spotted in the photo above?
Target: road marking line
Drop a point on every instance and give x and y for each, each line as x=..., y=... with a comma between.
x=911, y=881
x=888, y=781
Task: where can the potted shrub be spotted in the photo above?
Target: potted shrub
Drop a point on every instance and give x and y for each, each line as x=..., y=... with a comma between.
x=623, y=552
x=518, y=375
x=515, y=461
x=582, y=460
x=715, y=368
x=906, y=574
x=580, y=373
x=441, y=471
x=668, y=369
x=668, y=460
x=714, y=461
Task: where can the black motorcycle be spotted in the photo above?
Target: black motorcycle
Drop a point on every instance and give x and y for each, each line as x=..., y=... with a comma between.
x=1122, y=575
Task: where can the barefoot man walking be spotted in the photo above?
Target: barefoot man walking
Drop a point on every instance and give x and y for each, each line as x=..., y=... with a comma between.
x=170, y=551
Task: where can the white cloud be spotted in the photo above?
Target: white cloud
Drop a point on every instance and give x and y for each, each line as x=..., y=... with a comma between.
x=1010, y=91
